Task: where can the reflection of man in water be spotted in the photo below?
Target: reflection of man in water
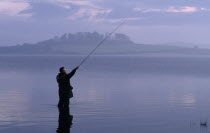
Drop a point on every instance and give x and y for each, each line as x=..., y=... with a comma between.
x=65, y=88
x=64, y=120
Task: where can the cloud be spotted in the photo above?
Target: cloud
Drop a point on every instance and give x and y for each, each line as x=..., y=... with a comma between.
x=14, y=8
x=107, y=20
x=204, y=9
x=66, y=6
x=81, y=3
x=87, y=10
x=89, y=13
x=186, y=9
x=171, y=9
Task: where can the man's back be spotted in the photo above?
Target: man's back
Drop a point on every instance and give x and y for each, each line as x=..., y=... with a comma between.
x=63, y=82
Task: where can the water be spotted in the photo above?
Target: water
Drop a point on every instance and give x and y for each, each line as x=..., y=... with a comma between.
x=115, y=94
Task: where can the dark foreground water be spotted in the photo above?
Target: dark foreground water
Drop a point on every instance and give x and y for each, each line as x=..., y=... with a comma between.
x=111, y=94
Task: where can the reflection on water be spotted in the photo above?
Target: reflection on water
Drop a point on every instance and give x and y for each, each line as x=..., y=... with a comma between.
x=119, y=94
x=189, y=99
x=64, y=120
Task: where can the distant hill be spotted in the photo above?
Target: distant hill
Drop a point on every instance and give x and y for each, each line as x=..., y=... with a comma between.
x=83, y=42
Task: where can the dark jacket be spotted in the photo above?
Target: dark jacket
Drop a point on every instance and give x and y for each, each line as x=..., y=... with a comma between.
x=64, y=84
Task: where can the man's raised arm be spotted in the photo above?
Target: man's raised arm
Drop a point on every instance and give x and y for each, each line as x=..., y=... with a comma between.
x=69, y=75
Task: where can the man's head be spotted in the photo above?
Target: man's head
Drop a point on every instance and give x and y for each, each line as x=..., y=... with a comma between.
x=62, y=70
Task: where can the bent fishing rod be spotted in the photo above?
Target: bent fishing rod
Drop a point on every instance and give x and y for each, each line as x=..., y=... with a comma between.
x=101, y=42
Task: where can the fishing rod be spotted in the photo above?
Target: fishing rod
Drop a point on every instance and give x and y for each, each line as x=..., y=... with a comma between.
x=102, y=42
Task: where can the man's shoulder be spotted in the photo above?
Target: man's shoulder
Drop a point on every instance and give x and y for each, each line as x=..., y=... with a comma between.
x=60, y=75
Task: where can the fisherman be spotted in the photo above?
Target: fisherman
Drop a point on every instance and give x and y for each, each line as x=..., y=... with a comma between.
x=65, y=88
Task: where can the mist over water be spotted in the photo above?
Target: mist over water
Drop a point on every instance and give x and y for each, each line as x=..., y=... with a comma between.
x=111, y=94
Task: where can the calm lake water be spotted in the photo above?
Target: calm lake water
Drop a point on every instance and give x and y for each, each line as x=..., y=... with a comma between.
x=112, y=94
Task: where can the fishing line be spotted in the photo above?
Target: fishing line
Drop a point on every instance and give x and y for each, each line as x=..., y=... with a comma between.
x=102, y=42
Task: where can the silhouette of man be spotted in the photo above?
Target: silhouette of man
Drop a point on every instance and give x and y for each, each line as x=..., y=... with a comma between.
x=64, y=120
x=65, y=88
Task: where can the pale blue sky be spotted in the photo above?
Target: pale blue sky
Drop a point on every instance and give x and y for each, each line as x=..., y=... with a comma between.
x=150, y=21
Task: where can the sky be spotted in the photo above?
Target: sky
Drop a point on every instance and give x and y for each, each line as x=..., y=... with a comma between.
x=148, y=21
